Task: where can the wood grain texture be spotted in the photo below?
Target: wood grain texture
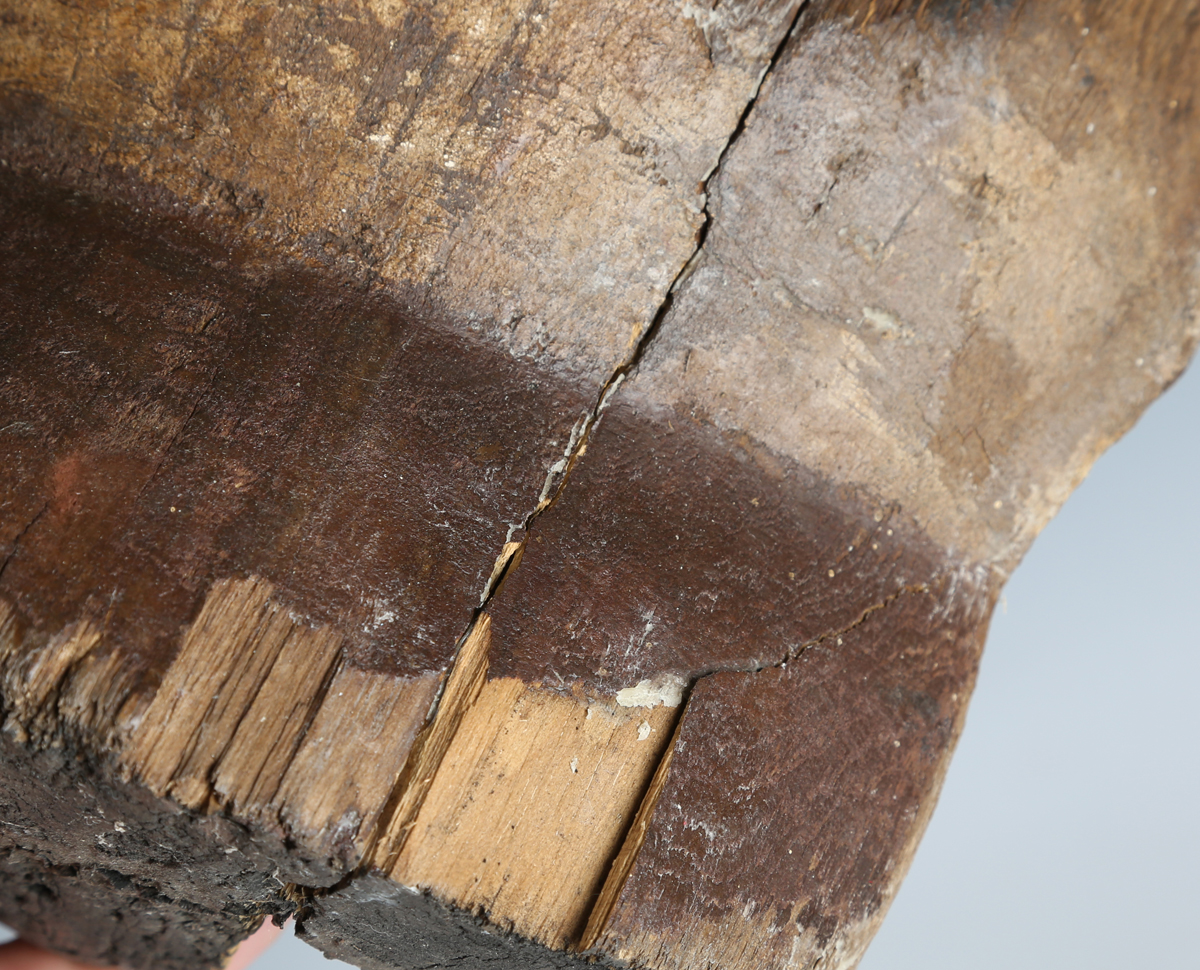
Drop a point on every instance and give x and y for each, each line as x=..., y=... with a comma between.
x=537, y=166
x=678, y=550
x=529, y=806
x=888, y=354
x=294, y=425
x=462, y=690
x=720, y=563
x=232, y=665
x=407, y=408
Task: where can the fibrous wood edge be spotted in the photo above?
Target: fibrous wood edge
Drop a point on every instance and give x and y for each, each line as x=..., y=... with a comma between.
x=614, y=881
x=463, y=686
x=963, y=448
x=255, y=715
x=217, y=710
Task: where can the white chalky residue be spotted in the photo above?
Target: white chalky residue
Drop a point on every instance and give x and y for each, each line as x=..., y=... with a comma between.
x=885, y=323
x=644, y=730
x=666, y=690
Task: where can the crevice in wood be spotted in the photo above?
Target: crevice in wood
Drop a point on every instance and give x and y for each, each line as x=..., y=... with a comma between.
x=559, y=474
x=468, y=670
x=631, y=845
x=19, y=536
x=664, y=308
x=794, y=653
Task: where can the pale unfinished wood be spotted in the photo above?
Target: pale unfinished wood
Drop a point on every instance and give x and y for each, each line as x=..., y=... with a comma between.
x=614, y=879
x=943, y=261
x=255, y=716
x=201, y=719
x=530, y=804
x=462, y=690
x=338, y=786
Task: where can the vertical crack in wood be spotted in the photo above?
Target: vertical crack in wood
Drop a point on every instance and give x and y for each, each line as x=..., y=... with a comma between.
x=461, y=690
x=557, y=478
x=623, y=863
x=636, y=835
x=469, y=668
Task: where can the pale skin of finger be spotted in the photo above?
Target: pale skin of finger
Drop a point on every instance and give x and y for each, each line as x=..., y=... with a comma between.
x=20, y=955
x=250, y=948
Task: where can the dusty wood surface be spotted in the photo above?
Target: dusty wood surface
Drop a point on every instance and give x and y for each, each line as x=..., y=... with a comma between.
x=514, y=491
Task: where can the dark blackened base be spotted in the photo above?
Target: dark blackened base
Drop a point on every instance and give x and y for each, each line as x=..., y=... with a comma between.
x=102, y=870
x=378, y=925
x=101, y=916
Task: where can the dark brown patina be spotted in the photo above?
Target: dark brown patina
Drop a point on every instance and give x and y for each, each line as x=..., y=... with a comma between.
x=816, y=777
x=171, y=414
x=678, y=548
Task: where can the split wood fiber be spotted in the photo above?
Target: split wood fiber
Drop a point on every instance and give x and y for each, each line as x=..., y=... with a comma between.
x=526, y=486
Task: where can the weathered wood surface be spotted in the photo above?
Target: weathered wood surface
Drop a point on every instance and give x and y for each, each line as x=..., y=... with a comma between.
x=559, y=459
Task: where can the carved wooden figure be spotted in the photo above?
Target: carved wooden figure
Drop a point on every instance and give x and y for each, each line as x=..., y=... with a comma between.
x=524, y=485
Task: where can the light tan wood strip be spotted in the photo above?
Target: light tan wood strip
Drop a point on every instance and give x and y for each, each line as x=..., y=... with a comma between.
x=462, y=689
x=530, y=805
x=350, y=761
x=225, y=657
x=250, y=669
x=251, y=716
x=266, y=739
x=625, y=859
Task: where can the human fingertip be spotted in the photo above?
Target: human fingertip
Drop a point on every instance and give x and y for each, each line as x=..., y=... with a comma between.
x=22, y=955
x=250, y=949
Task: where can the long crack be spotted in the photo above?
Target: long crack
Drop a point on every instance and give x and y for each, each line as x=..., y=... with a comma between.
x=12, y=552
x=559, y=475
x=794, y=653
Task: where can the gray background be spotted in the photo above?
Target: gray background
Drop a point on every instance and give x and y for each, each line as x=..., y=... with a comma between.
x=1067, y=831
x=1067, y=835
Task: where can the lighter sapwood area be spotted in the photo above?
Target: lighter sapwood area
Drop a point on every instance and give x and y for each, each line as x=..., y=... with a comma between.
x=526, y=486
